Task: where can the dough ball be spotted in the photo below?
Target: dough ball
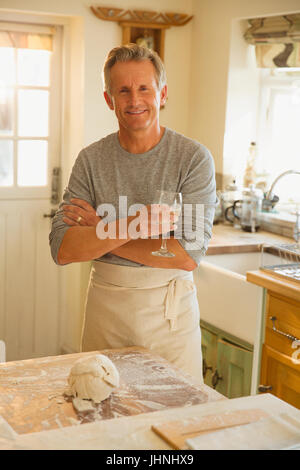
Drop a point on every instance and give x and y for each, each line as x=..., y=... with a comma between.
x=93, y=378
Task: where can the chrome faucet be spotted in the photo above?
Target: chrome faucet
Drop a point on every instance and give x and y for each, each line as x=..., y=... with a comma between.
x=269, y=197
x=269, y=194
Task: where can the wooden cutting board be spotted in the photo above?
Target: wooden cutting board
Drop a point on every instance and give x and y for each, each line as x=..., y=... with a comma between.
x=175, y=433
x=32, y=394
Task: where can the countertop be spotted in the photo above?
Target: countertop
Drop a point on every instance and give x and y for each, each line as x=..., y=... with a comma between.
x=287, y=288
x=36, y=414
x=135, y=432
x=228, y=239
x=32, y=391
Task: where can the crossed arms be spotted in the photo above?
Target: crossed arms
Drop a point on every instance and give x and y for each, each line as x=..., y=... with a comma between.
x=81, y=243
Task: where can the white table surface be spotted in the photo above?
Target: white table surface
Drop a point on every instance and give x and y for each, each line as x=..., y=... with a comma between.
x=134, y=432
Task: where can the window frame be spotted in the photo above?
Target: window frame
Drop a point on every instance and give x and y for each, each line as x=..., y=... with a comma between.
x=54, y=134
x=270, y=85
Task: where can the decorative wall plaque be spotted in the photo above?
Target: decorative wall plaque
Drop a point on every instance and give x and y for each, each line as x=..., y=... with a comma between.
x=142, y=27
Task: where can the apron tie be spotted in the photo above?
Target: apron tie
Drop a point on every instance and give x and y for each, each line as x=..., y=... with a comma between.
x=176, y=290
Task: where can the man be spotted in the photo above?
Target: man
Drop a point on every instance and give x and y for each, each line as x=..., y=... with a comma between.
x=135, y=298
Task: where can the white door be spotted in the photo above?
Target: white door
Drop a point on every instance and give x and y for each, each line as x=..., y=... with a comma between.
x=30, y=112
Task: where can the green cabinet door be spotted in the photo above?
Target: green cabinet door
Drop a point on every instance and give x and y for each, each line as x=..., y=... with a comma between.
x=232, y=376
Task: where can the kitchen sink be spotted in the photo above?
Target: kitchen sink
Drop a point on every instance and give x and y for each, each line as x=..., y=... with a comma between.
x=240, y=263
x=226, y=299
x=286, y=264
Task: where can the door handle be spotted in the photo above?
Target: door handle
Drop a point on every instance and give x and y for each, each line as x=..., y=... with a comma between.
x=205, y=367
x=51, y=215
x=215, y=378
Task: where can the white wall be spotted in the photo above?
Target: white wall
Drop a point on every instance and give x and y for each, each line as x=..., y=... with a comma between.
x=215, y=45
x=241, y=103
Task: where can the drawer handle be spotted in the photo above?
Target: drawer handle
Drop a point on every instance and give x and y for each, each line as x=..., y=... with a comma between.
x=265, y=388
x=287, y=335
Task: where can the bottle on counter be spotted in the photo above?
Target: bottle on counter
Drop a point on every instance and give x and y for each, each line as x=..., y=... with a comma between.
x=250, y=173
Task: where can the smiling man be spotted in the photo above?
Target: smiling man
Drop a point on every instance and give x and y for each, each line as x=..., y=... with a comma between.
x=136, y=98
x=135, y=298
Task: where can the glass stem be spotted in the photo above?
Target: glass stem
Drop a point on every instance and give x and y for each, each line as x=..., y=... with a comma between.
x=164, y=244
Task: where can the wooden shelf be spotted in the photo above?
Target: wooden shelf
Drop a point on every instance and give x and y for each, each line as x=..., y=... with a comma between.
x=142, y=24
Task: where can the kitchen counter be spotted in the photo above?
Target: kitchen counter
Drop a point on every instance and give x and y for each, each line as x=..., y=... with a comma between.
x=285, y=287
x=32, y=392
x=135, y=432
x=35, y=413
x=227, y=239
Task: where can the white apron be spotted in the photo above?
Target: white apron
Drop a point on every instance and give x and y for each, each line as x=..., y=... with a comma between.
x=150, y=307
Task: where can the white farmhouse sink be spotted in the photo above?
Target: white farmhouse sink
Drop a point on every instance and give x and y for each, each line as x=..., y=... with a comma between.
x=226, y=299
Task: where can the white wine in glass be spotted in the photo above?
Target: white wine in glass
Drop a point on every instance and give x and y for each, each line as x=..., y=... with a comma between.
x=174, y=201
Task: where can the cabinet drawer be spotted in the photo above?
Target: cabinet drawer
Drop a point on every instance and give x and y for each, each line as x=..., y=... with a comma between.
x=286, y=315
x=282, y=375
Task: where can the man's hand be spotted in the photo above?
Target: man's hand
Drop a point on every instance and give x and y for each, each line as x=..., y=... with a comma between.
x=153, y=219
x=82, y=213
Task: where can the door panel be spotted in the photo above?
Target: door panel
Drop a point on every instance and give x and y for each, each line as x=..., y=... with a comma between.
x=29, y=280
x=30, y=143
x=234, y=365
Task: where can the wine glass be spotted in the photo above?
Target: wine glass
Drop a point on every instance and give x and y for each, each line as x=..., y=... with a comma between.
x=174, y=201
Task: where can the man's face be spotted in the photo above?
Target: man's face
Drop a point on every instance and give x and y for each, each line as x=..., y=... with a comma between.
x=135, y=96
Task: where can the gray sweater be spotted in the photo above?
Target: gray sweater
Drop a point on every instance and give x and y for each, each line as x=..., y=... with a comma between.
x=104, y=171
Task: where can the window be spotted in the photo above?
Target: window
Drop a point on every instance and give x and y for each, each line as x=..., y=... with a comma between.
x=28, y=97
x=278, y=130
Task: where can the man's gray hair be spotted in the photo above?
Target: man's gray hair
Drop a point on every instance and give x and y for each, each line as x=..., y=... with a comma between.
x=133, y=52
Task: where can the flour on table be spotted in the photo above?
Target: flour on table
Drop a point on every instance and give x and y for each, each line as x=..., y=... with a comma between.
x=82, y=405
x=93, y=378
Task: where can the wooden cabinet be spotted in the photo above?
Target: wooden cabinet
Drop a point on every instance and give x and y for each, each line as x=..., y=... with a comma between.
x=280, y=365
x=155, y=33
x=227, y=362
